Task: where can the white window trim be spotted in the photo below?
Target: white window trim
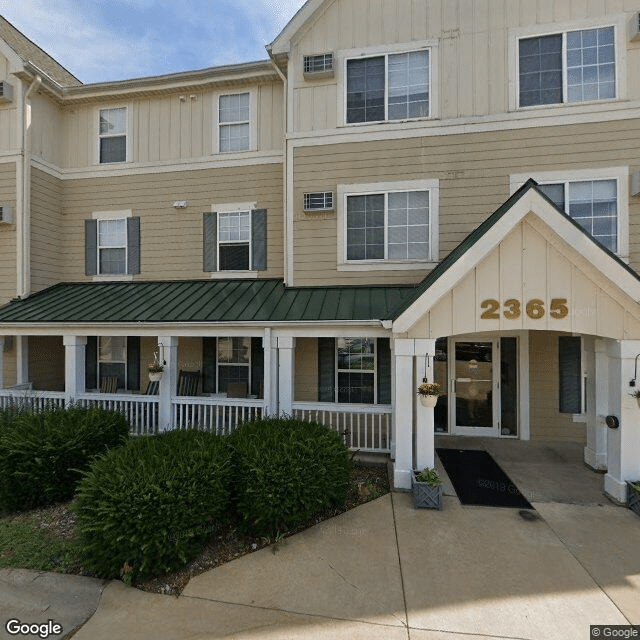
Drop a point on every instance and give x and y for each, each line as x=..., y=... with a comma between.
x=100, y=362
x=345, y=190
x=234, y=207
x=232, y=364
x=340, y=63
x=374, y=372
x=619, y=174
x=108, y=277
x=619, y=24
x=253, y=122
x=128, y=134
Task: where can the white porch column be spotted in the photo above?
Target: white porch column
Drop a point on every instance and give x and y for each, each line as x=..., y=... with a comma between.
x=595, y=452
x=270, y=385
x=286, y=370
x=168, y=351
x=623, y=443
x=1, y=362
x=425, y=445
x=74, y=367
x=404, y=397
x=22, y=359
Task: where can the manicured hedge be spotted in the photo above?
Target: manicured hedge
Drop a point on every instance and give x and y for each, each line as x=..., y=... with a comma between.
x=286, y=470
x=147, y=507
x=43, y=453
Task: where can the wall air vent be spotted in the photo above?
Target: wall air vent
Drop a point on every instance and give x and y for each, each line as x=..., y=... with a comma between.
x=5, y=215
x=634, y=27
x=321, y=201
x=318, y=66
x=6, y=93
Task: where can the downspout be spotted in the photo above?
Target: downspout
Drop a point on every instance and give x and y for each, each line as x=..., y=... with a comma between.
x=285, y=163
x=23, y=197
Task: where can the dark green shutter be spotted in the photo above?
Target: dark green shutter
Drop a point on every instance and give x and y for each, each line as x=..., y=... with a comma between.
x=326, y=369
x=570, y=368
x=259, y=239
x=257, y=367
x=133, y=363
x=209, y=365
x=384, y=370
x=210, y=241
x=91, y=247
x=133, y=246
x=91, y=363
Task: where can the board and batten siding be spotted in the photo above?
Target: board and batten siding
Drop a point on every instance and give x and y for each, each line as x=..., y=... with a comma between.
x=473, y=171
x=9, y=120
x=47, y=259
x=46, y=132
x=8, y=281
x=473, y=37
x=171, y=239
x=168, y=128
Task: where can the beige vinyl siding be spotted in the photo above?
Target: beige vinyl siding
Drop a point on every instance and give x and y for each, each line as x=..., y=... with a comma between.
x=473, y=37
x=547, y=423
x=306, y=370
x=8, y=233
x=9, y=365
x=47, y=130
x=168, y=128
x=190, y=354
x=46, y=363
x=473, y=172
x=9, y=120
x=171, y=239
x=47, y=260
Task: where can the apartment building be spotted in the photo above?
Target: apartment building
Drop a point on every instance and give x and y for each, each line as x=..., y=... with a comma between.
x=402, y=190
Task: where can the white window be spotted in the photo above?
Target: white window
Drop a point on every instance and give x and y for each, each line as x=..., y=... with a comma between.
x=389, y=223
x=234, y=364
x=112, y=359
x=234, y=117
x=390, y=86
x=112, y=246
x=356, y=370
x=568, y=66
x=113, y=135
x=234, y=241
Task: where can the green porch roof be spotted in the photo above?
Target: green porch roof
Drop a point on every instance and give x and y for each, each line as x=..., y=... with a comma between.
x=243, y=301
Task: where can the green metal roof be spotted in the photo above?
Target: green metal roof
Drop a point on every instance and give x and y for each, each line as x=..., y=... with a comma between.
x=203, y=301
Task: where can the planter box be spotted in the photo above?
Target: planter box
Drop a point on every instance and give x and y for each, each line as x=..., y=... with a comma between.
x=424, y=495
x=633, y=498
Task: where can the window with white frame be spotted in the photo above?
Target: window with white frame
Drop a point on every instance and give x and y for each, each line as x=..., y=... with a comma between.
x=570, y=66
x=234, y=116
x=356, y=370
x=392, y=86
x=233, y=362
x=112, y=359
x=112, y=246
x=234, y=241
x=113, y=135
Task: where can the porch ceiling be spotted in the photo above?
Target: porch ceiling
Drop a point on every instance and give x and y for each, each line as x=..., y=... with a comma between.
x=197, y=301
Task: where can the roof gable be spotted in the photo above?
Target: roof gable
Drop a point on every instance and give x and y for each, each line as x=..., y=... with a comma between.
x=307, y=12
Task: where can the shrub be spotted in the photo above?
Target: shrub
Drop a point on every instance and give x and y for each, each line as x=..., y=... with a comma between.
x=147, y=507
x=287, y=470
x=43, y=453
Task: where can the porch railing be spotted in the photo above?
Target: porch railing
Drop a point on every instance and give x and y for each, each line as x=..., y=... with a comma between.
x=140, y=410
x=366, y=427
x=33, y=400
x=220, y=415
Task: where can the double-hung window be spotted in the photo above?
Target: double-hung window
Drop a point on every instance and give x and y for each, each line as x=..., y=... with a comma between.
x=112, y=246
x=112, y=359
x=234, y=362
x=356, y=370
x=234, y=116
x=571, y=66
x=234, y=241
x=113, y=135
x=393, y=86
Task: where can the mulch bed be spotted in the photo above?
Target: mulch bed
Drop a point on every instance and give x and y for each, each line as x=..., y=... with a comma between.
x=368, y=482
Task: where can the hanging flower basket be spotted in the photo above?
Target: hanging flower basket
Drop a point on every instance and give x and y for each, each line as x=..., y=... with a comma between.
x=428, y=393
x=428, y=401
x=154, y=376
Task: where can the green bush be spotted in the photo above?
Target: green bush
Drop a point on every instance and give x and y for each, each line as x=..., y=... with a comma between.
x=286, y=471
x=147, y=507
x=43, y=453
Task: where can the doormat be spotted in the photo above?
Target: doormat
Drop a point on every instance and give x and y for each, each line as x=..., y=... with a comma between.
x=479, y=480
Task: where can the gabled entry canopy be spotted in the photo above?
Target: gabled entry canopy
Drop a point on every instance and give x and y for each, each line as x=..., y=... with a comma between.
x=528, y=266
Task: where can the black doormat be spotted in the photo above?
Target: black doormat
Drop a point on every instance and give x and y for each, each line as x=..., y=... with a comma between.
x=478, y=479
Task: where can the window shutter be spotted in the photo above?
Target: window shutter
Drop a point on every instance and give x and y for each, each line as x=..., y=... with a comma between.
x=257, y=367
x=133, y=246
x=259, y=239
x=91, y=363
x=570, y=367
x=209, y=365
x=326, y=369
x=133, y=363
x=210, y=241
x=91, y=247
x=384, y=370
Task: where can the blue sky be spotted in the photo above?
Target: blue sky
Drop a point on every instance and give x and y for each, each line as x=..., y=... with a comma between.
x=99, y=40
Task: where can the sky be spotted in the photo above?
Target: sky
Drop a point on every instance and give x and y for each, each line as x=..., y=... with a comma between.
x=101, y=40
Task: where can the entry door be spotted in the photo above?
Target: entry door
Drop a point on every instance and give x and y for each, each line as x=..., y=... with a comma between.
x=474, y=366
